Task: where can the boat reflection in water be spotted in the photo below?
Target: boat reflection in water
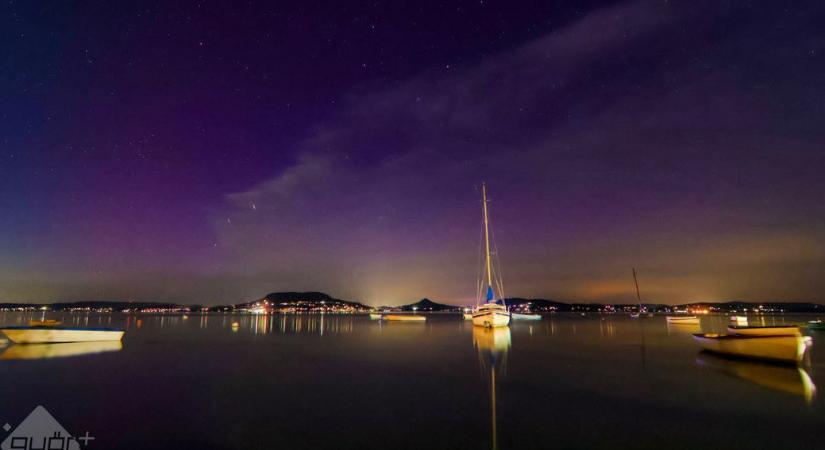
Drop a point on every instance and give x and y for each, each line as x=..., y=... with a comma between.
x=46, y=351
x=492, y=345
x=688, y=328
x=791, y=380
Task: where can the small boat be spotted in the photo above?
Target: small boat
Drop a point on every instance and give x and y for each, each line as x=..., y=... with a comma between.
x=523, y=316
x=55, y=334
x=764, y=331
x=816, y=325
x=682, y=320
x=490, y=314
x=403, y=318
x=643, y=312
x=739, y=320
x=468, y=316
x=375, y=316
x=789, y=349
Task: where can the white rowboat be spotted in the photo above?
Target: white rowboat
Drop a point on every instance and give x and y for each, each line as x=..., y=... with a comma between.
x=682, y=320
x=520, y=316
x=789, y=349
x=52, y=335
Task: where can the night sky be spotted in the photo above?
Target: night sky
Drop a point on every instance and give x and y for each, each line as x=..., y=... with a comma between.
x=212, y=152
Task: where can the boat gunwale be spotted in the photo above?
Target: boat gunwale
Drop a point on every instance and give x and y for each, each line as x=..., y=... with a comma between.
x=59, y=328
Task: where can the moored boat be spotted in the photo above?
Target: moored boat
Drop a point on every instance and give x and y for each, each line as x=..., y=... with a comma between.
x=56, y=334
x=789, y=349
x=682, y=320
x=403, y=318
x=784, y=330
x=489, y=314
x=526, y=316
x=375, y=316
x=816, y=325
x=468, y=316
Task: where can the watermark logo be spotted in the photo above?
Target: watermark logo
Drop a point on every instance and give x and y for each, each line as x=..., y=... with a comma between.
x=40, y=431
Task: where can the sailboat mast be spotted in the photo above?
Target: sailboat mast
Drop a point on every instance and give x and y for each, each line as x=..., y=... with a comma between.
x=636, y=282
x=487, y=236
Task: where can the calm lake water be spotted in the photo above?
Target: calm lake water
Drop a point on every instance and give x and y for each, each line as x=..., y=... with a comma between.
x=332, y=382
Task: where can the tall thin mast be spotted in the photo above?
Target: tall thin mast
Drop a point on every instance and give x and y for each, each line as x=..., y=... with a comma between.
x=487, y=237
x=639, y=297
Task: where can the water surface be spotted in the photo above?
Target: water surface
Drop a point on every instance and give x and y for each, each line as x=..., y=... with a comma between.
x=341, y=381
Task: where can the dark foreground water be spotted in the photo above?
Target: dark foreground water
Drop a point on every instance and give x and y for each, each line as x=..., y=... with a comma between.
x=333, y=382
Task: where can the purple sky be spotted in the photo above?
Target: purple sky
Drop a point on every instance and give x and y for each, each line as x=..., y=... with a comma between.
x=207, y=153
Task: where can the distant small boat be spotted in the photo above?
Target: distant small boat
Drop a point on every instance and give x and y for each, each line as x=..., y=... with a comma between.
x=739, y=320
x=522, y=316
x=375, y=316
x=54, y=334
x=468, y=316
x=682, y=320
x=816, y=325
x=403, y=318
x=642, y=311
x=788, y=349
x=764, y=331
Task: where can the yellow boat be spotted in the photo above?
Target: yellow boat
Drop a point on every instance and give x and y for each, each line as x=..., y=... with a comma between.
x=784, y=330
x=789, y=349
x=403, y=318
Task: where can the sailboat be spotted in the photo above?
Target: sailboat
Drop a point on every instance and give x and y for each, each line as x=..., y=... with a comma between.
x=490, y=314
x=642, y=312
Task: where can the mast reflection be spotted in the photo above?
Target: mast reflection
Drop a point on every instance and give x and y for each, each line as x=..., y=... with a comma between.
x=492, y=345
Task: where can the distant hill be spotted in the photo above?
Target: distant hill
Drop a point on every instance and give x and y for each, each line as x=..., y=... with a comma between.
x=426, y=304
x=302, y=301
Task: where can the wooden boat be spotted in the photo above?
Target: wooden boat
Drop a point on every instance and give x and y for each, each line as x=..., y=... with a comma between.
x=403, y=318
x=490, y=314
x=54, y=334
x=528, y=316
x=764, y=331
x=789, y=349
x=46, y=351
x=816, y=325
x=682, y=320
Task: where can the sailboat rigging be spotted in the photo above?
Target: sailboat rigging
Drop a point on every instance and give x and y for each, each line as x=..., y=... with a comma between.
x=490, y=313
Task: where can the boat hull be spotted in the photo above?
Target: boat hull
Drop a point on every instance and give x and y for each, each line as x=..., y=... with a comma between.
x=682, y=320
x=491, y=315
x=53, y=335
x=517, y=316
x=764, y=331
x=403, y=318
x=789, y=349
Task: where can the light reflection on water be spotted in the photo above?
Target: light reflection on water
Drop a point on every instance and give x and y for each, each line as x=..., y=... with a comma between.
x=567, y=381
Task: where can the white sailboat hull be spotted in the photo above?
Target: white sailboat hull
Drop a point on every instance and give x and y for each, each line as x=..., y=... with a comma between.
x=50, y=335
x=491, y=315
